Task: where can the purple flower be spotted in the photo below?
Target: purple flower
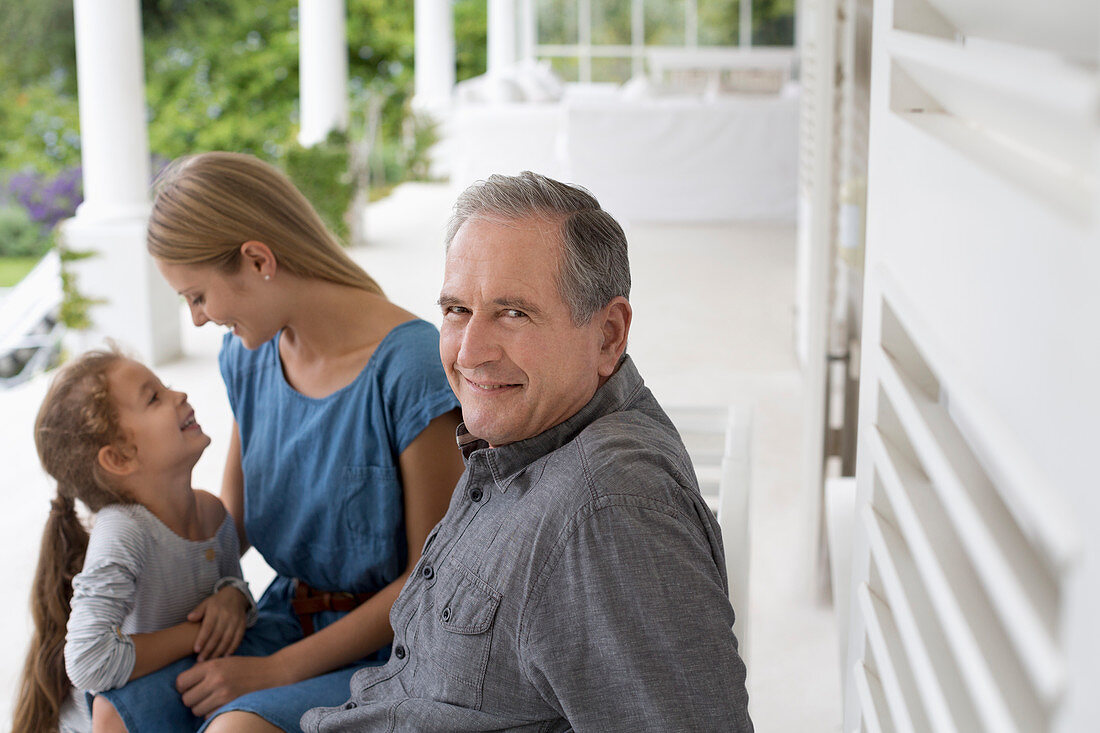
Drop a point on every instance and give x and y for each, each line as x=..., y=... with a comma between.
x=47, y=199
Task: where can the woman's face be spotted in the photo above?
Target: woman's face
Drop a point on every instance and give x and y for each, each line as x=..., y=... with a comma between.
x=233, y=301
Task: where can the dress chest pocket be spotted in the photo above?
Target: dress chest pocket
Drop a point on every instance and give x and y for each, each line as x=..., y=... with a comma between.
x=371, y=499
x=456, y=635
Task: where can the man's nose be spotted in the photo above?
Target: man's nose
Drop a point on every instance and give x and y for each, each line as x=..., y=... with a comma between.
x=480, y=344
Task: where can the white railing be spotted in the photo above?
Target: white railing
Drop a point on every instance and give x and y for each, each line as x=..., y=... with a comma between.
x=30, y=331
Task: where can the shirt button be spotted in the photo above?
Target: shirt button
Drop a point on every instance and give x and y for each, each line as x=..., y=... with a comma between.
x=475, y=495
x=446, y=615
x=399, y=651
x=427, y=572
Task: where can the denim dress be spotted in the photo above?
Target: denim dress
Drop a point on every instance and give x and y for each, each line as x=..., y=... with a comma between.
x=323, y=503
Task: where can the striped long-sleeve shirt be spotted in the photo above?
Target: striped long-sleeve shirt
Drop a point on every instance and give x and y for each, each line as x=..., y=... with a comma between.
x=139, y=576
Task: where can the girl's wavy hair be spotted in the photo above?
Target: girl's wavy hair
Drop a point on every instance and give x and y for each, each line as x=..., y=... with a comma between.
x=77, y=418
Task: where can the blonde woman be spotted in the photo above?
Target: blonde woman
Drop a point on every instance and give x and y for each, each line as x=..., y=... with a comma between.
x=343, y=453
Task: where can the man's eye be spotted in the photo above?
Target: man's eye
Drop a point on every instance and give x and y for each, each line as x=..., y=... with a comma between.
x=197, y=300
x=456, y=309
x=513, y=313
x=153, y=398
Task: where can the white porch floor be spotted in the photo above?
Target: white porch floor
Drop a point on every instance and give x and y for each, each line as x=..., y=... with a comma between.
x=713, y=313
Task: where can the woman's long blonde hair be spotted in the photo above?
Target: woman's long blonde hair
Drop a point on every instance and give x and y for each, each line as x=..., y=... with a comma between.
x=208, y=205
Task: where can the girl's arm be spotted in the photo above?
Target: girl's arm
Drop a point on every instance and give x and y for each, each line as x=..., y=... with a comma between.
x=233, y=485
x=430, y=468
x=159, y=648
x=98, y=656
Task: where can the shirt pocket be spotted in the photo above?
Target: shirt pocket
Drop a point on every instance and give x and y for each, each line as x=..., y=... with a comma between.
x=372, y=505
x=456, y=637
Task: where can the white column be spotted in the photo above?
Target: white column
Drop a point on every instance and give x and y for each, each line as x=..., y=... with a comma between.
x=744, y=26
x=435, y=54
x=323, y=69
x=502, y=36
x=528, y=30
x=137, y=308
x=111, y=87
x=637, y=37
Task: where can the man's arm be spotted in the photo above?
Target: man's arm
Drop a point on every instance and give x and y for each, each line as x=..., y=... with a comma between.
x=630, y=630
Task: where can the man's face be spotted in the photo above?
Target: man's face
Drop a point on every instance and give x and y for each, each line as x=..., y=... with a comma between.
x=512, y=354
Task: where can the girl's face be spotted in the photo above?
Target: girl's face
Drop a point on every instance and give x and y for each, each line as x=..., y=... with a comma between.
x=233, y=301
x=160, y=427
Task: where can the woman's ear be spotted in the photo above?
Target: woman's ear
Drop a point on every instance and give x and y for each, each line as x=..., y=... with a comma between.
x=117, y=461
x=257, y=257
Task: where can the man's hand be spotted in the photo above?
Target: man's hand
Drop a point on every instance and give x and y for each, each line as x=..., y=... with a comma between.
x=223, y=617
x=209, y=685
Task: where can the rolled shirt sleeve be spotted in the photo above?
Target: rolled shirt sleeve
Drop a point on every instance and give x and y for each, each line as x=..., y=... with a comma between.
x=98, y=656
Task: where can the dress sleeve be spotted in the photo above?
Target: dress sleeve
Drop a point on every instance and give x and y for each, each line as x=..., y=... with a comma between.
x=414, y=384
x=631, y=629
x=98, y=656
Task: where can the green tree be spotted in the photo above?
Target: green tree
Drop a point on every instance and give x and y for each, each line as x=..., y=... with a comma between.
x=773, y=22
x=220, y=74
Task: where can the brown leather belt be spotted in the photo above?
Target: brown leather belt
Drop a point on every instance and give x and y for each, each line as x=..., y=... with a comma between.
x=308, y=601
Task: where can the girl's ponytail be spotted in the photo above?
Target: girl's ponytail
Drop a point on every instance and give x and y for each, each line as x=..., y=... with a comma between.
x=45, y=685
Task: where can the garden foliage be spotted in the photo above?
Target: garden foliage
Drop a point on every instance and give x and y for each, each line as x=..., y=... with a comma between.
x=220, y=75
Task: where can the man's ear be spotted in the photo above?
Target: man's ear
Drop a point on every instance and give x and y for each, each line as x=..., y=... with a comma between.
x=117, y=461
x=257, y=258
x=615, y=327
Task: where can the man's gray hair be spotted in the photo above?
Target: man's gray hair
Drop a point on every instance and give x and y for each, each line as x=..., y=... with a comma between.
x=594, y=267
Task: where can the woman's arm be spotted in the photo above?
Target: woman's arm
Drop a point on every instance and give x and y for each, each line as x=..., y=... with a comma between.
x=233, y=485
x=430, y=468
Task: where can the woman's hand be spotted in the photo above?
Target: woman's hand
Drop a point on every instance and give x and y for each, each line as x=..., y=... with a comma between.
x=223, y=618
x=209, y=685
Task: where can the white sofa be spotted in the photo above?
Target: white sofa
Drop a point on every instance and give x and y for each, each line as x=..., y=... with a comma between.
x=697, y=158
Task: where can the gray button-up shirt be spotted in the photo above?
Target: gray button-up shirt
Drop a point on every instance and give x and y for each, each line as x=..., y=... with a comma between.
x=577, y=582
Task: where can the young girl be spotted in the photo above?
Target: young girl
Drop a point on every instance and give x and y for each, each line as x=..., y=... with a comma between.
x=161, y=578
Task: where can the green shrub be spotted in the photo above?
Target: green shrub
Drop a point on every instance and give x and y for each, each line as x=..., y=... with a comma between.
x=321, y=173
x=39, y=130
x=74, y=304
x=19, y=235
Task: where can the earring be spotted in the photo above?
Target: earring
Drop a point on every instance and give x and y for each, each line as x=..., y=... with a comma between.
x=267, y=277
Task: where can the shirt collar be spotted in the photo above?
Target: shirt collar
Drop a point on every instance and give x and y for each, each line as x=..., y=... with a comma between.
x=507, y=460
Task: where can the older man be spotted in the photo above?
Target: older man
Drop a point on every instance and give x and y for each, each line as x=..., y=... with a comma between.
x=577, y=580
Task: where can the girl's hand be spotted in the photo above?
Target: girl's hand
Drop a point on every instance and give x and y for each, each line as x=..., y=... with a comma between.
x=223, y=619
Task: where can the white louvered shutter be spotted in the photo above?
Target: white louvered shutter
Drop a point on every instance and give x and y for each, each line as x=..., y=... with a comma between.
x=976, y=561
